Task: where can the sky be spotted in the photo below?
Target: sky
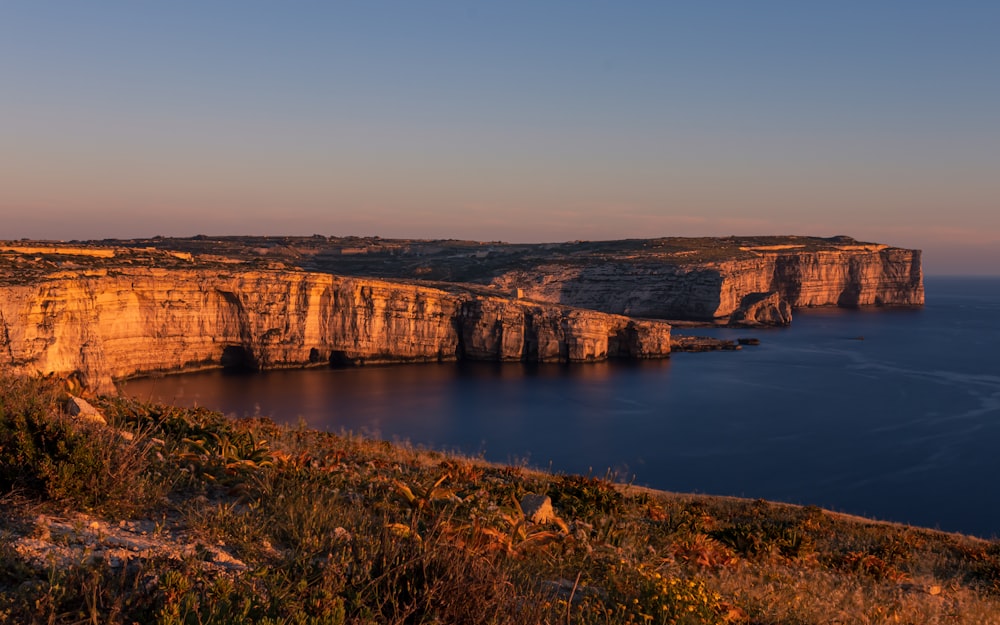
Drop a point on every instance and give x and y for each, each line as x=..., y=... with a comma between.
x=515, y=121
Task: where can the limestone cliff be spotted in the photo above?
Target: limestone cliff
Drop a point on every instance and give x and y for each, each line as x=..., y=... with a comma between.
x=848, y=275
x=102, y=312
x=500, y=329
x=104, y=325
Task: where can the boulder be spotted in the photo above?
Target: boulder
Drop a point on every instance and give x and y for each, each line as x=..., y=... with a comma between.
x=538, y=509
x=84, y=410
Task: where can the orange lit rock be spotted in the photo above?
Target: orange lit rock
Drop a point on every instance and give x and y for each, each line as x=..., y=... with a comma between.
x=846, y=275
x=762, y=309
x=128, y=322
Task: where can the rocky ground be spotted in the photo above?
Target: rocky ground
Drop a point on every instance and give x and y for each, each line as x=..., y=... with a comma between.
x=44, y=541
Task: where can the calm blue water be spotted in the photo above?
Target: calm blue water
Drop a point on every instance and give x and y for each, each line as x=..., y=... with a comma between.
x=903, y=424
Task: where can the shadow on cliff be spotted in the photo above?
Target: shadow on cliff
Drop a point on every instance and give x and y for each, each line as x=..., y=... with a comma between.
x=237, y=359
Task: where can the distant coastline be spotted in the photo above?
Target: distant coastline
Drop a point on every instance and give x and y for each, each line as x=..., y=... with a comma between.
x=100, y=311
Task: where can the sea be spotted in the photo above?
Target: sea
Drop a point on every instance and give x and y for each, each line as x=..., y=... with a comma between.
x=892, y=414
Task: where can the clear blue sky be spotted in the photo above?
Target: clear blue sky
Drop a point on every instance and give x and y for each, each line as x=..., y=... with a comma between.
x=520, y=121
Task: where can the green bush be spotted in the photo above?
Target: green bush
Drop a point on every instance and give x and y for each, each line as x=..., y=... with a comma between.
x=44, y=453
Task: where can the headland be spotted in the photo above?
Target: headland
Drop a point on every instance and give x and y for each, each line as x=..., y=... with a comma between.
x=99, y=311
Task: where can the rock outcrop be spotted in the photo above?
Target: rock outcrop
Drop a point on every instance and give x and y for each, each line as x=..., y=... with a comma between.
x=762, y=309
x=84, y=411
x=506, y=330
x=105, y=325
x=847, y=275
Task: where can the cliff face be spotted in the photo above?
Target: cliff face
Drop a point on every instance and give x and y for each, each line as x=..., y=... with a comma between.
x=861, y=275
x=640, y=289
x=498, y=329
x=111, y=325
x=102, y=314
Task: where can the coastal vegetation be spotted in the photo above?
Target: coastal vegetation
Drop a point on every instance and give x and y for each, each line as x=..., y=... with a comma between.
x=442, y=261
x=171, y=515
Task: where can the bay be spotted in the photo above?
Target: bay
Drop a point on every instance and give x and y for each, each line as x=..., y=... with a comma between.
x=888, y=413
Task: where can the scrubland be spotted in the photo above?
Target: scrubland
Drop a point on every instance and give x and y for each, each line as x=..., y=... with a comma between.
x=170, y=515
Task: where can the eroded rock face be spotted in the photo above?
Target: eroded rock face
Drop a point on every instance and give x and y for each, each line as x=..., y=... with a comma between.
x=768, y=309
x=106, y=326
x=637, y=289
x=853, y=275
x=509, y=330
x=879, y=276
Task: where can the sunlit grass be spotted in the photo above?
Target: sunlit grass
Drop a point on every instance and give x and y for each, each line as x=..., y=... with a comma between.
x=323, y=528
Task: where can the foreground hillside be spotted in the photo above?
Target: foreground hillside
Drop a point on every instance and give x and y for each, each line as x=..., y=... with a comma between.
x=167, y=515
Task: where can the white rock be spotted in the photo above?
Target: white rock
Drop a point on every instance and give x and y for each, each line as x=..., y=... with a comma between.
x=82, y=409
x=538, y=508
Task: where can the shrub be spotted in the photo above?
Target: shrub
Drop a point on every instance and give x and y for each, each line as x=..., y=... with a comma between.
x=642, y=595
x=49, y=455
x=581, y=496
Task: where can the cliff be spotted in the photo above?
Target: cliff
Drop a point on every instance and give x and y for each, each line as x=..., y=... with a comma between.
x=747, y=280
x=102, y=312
x=107, y=324
x=762, y=287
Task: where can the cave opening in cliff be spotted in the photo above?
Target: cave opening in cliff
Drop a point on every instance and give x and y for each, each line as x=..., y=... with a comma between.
x=237, y=358
x=339, y=359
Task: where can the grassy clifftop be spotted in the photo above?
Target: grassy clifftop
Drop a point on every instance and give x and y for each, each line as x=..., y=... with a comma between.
x=168, y=515
x=410, y=259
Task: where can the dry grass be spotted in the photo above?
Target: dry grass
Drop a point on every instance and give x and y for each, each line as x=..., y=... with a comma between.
x=341, y=529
